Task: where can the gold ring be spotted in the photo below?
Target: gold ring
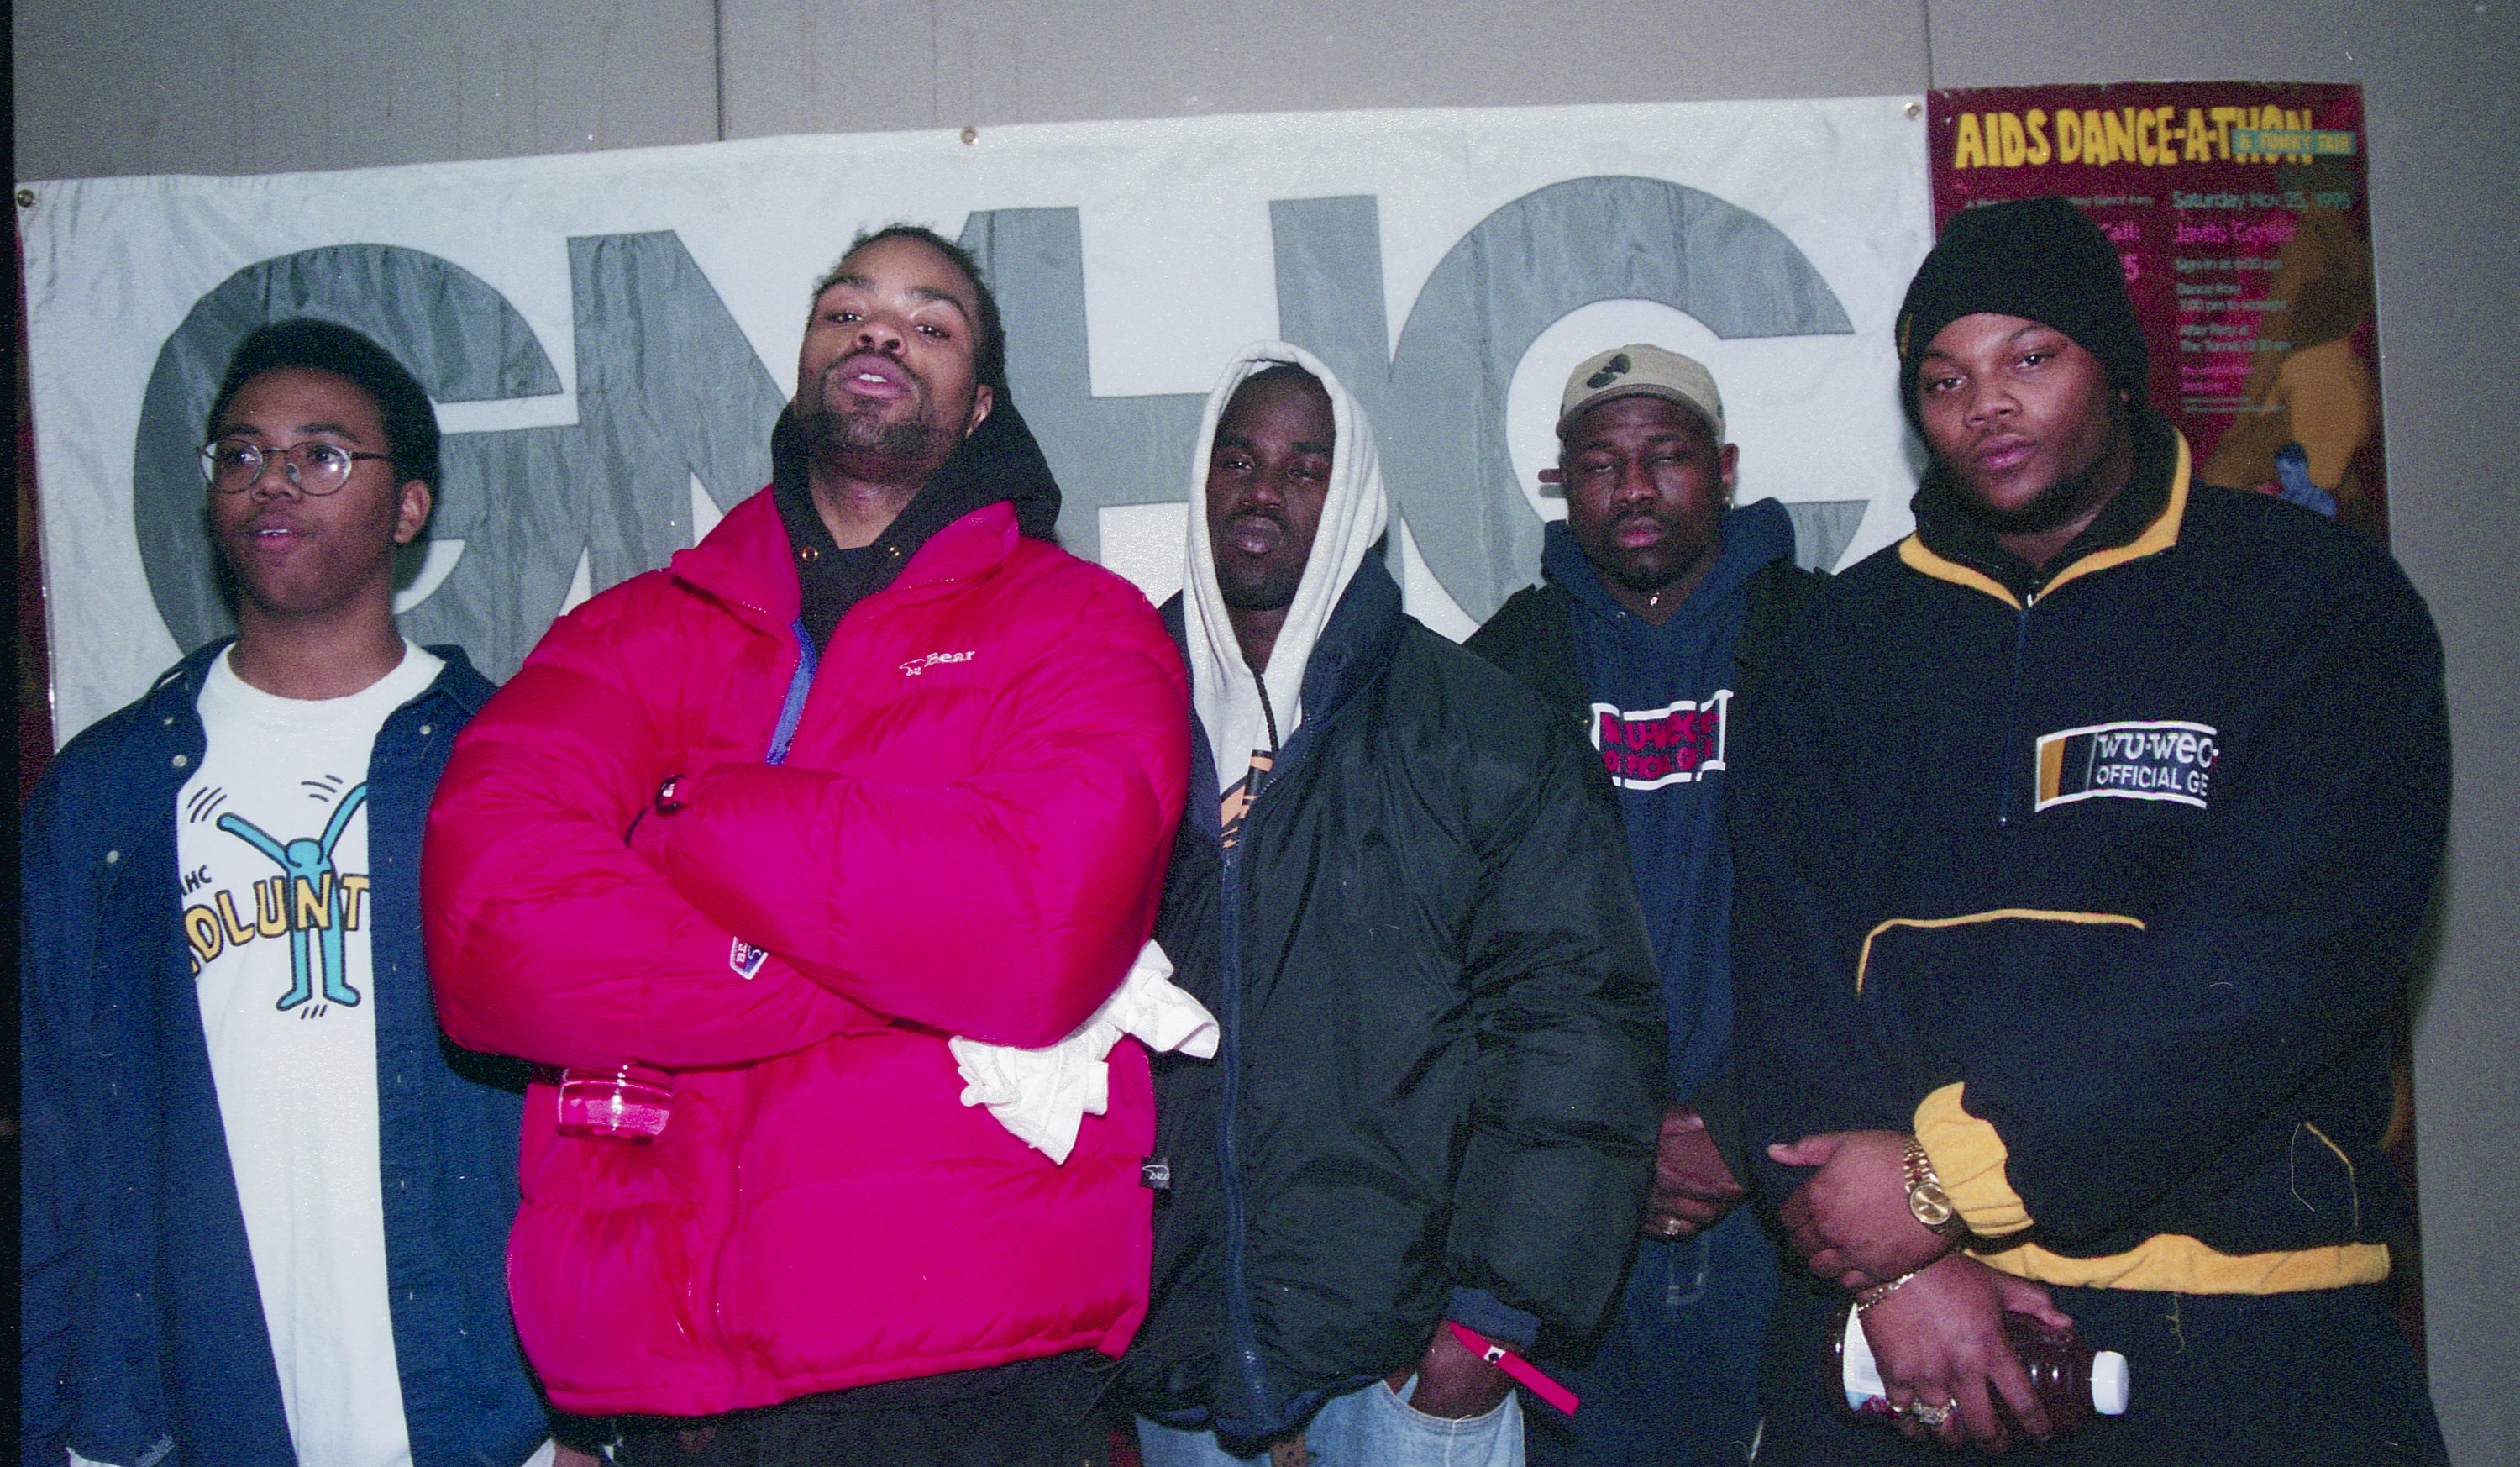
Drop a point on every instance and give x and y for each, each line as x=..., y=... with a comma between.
x=1929, y=1416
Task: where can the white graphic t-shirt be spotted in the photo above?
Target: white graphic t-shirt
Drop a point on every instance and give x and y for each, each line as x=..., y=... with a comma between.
x=273, y=835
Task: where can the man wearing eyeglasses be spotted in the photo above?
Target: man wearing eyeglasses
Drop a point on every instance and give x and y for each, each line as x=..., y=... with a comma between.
x=264, y=1204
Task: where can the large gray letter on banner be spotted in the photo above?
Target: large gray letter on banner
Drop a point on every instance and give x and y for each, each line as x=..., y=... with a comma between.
x=1547, y=253
x=1438, y=403
x=458, y=336
x=1103, y=450
x=669, y=389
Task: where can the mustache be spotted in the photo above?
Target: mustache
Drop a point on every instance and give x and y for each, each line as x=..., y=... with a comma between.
x=893, y=366
x=1244, y=512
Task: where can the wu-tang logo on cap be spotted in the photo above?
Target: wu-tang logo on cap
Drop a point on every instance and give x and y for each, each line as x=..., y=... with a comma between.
x=1612, y=371
x=1640, y=368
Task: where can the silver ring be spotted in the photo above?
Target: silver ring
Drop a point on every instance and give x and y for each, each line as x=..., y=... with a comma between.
x=1929, y=1416
x=1671, y=1227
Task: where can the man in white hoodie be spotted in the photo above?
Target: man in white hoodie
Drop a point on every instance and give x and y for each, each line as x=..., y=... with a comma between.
x=1429, y=1127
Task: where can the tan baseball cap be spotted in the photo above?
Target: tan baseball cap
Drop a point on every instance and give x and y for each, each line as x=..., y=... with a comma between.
x=1639, y=369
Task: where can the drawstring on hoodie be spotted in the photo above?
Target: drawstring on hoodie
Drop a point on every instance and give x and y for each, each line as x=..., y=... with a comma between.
x=1269, y=715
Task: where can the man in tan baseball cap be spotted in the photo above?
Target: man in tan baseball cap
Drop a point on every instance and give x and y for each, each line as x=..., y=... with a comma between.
x=1657, y=599
x=1651, y=534
x=1639, y=369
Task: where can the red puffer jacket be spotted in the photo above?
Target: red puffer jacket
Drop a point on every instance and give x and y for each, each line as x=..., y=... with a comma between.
x=967, y=836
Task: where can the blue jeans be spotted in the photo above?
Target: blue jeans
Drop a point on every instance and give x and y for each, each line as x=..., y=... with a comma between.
x=1372, y=1427
x=1676, y=1377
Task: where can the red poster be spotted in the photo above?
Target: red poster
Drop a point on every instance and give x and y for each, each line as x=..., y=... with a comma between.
x=2240, y=211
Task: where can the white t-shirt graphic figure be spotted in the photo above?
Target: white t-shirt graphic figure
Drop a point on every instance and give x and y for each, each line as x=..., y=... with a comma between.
x=272, y=833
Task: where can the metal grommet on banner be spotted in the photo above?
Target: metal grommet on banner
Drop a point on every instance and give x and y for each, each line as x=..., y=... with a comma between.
x=25, y=197
x=971, y=135
x=1915, y=108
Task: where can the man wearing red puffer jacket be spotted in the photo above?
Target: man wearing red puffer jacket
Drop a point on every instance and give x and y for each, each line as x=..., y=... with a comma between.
x=873, y=766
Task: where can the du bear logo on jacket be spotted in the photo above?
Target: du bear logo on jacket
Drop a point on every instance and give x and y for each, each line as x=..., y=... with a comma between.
x=2139, y=759
x=919, y=665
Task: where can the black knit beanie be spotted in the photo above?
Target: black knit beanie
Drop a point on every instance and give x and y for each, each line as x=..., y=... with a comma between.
x=2038, y=258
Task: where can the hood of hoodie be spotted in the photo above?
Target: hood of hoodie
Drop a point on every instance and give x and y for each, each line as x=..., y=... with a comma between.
x=1223, y=692
x=1753, y=535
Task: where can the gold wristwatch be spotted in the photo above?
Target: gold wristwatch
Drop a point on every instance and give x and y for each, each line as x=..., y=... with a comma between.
x=1926, y=1198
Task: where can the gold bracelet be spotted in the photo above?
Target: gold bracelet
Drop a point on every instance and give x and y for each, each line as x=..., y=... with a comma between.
x=1880, y=1292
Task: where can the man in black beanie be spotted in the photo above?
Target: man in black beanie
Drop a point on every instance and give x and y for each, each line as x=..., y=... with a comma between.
x=2078, y=855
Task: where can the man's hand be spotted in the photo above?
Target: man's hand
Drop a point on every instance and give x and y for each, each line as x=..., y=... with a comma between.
x=1938, y=1340
x=1850, y=1222
x=1692, y=1188
x=1452, y=1381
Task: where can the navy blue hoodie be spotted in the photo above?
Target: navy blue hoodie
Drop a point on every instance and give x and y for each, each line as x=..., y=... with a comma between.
x=1660, y=711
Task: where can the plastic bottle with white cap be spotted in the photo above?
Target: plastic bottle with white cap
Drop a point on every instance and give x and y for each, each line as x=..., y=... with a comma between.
x=2073, y=1380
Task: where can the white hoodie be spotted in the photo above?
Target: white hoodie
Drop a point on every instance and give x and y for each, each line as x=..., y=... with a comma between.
x=1223, y=691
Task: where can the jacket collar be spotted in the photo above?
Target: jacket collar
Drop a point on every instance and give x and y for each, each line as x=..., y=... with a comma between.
x=1754, y=534
x=1356, y=642
x=743, y=564
x=2143, y=521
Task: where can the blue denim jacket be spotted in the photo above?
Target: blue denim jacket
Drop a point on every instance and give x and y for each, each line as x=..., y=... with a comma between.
x=143, y=1327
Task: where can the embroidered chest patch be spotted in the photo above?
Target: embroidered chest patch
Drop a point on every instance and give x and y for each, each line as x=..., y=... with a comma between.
x=2156, y=760
x=1650, y=747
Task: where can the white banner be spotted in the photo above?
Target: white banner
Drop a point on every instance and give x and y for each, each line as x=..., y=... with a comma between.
x=608, y=335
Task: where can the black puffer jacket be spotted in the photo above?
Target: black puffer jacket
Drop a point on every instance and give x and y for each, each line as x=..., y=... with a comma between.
x=1437, y=1085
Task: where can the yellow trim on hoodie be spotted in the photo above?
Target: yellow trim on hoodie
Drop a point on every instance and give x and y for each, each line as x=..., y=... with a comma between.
x=1863, y=957
x=1915, y=557
x=2176, y=1264
x=1968, y=1157
x=2157, y=536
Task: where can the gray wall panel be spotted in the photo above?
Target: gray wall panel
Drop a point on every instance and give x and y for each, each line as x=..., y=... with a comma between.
x=799, y=65
x=260, y=86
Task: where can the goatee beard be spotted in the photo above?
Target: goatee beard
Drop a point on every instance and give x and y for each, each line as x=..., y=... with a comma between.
x=833, y=437
x=2051, y=507
x=2047, y=509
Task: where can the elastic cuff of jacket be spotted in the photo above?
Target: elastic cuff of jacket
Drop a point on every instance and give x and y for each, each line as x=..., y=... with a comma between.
x=1969, y=1156
x=1480, y=1310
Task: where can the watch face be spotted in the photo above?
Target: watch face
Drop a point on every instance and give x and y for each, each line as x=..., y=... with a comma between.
x=1930, y=1206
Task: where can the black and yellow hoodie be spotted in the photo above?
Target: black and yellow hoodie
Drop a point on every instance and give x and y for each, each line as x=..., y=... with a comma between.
x=2102, y=880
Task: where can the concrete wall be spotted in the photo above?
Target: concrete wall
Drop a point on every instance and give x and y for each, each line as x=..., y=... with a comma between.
x=246, y=86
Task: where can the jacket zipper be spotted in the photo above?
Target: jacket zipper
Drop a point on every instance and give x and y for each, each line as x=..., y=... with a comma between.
x=791, y=711
x=2012, y=713
x=1238, y=1287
